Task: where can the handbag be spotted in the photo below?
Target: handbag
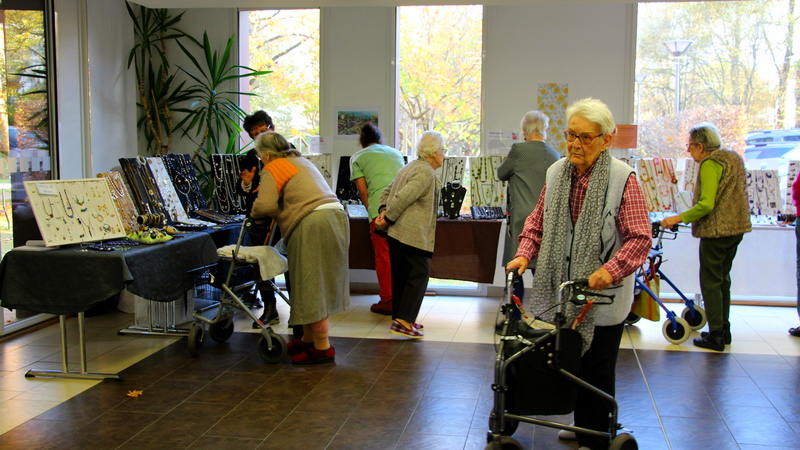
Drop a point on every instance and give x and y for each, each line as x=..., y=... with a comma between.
x=644, y=305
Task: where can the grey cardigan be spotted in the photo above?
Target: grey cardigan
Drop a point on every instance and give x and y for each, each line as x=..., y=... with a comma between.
x=411, y=202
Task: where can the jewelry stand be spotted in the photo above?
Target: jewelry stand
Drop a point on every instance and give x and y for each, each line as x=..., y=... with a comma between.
x=65, y=373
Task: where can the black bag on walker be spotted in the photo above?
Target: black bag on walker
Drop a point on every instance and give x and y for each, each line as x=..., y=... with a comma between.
x=535, y=388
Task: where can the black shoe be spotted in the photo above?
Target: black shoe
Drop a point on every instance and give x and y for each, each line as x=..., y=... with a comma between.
x=713, y=340
x=795, y=331
x=727, y=337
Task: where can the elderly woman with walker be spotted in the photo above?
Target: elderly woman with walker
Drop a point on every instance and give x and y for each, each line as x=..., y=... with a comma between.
x=591, y=222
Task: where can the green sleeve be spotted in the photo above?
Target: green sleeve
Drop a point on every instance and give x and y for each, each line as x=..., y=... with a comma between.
x=710, y=174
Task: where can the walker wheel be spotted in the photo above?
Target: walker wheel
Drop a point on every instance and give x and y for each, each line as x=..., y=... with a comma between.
x=679, y=335
x=195, y=340
x=697, y=320
x=221, y=330
x=278, y=351
x=623, y=441
x=504, y=443
x=632, y=319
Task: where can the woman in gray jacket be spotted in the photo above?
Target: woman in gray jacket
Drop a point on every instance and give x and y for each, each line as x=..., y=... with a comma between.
x=408, y=216
x=525, y=169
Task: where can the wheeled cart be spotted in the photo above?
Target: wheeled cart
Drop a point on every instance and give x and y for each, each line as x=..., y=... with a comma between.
x=537, y=373
x=271, y=346
x=676, y=329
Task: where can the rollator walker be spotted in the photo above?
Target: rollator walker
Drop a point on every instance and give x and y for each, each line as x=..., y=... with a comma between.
x=271, y=346
x=537, y=371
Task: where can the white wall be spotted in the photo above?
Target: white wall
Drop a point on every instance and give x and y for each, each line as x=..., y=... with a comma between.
x=96, y=92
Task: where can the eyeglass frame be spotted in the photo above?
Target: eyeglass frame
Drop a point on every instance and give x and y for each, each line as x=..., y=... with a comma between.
x=582, y=137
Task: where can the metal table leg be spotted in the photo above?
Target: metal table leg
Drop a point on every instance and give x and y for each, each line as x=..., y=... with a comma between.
x=65, y=373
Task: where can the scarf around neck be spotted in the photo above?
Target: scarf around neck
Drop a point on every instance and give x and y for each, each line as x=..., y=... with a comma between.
x=585, y=258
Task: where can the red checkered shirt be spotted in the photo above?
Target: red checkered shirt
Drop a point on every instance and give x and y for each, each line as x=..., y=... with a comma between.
x=633, y=222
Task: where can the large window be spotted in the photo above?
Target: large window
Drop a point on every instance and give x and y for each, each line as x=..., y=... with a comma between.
x=440, y=76
x=287, y=43
x=25, y=140
x=730, y=63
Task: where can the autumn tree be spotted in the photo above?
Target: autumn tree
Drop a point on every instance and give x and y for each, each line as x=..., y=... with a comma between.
x=287, y=43
x=440, y=75
x=738, y=50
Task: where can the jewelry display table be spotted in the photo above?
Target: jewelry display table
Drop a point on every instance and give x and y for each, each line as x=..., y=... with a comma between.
x=70, y=280
x=465, y=249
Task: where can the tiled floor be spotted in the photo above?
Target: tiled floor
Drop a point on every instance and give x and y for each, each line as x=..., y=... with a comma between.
x=384, y=392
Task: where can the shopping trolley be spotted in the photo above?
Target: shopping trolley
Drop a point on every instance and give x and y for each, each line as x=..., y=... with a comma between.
x=537, y=371
x=676, y=329
x=271, y=346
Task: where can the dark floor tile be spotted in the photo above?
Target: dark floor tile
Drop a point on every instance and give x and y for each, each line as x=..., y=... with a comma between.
x=184, y=424
x=110, y=430
x=393, y=411
x=370, y=432
x=442, y=416
x=252, y=419
x=748, y=426
x=341, y=398
x=400, y=384
x=715, y=364
x=698, y=433
x=254, y=365
x=691, y=404
x=317, y=431
x=161, y=396
x=135, y=444
x=224, y=443
x=288, y=386
x=741, y=391
x=460, y=354
x=635, y=409
x=89, y=405
x=230, y=388
x=648, y=437
x=38, y=433
x=377, y=347
x=430, y=441
x=453, y=383
x=786, y=402
x=355, y=371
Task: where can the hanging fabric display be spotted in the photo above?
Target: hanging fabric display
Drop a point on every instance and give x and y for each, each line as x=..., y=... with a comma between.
x=487, y=189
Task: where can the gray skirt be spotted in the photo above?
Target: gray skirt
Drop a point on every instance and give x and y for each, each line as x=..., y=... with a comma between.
x=318, y=265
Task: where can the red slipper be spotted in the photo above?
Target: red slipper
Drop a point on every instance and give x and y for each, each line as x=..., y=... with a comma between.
x=314, y=356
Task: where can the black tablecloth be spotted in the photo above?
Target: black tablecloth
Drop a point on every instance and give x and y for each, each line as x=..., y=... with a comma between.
x=68, y=280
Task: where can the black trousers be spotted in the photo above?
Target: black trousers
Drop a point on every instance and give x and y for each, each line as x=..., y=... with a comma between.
x=598, y=368
x=411, y=268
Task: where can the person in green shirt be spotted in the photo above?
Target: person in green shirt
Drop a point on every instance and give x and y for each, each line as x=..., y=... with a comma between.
x=720, y=217
x=372, y=169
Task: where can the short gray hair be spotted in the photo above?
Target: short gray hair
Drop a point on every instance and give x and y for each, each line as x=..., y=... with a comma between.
x=430, y=143
x=534, y=121
x=594, y=111
x=272, y=143
x=706, y=133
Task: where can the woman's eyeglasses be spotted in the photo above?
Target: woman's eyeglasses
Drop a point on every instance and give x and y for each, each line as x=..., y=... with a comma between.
x=586, y=139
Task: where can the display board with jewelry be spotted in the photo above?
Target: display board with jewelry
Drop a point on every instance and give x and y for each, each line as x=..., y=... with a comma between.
x=143, y=186
x=794, y=168
x=452, y=198
x=74, y=211
x=184, y=178
x=167, y=190
x=323, y=164
x=486, y=188
x=764, y=192
x=122, y=199
x=227, y=173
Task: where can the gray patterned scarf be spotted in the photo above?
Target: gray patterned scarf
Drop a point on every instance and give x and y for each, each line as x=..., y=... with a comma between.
x=586, y=245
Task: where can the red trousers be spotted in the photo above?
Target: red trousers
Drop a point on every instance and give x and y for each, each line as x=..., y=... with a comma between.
x=383, y=267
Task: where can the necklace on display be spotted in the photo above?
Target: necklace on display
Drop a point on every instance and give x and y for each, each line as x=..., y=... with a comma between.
x=67, y=206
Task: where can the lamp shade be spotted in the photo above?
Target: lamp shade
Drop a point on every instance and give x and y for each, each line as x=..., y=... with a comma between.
x=678, y=47
x=625, y=137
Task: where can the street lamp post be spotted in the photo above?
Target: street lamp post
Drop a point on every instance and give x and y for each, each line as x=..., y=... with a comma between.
x=677, y=48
